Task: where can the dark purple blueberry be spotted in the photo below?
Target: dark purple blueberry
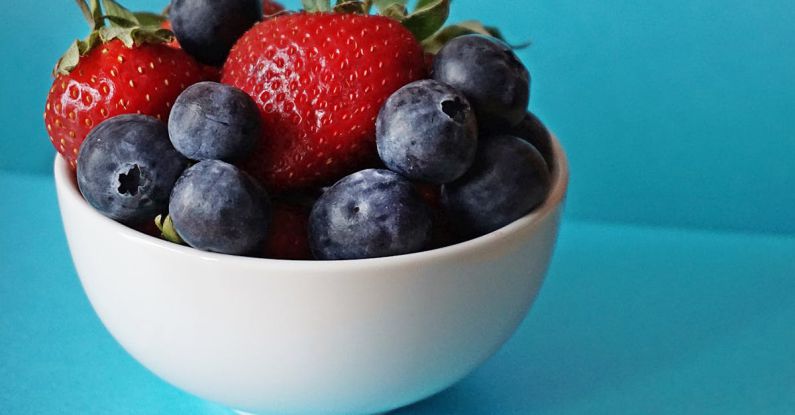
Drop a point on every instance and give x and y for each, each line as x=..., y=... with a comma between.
x=532, y=130
x=212, y=121
x=491, y=76
x=369, y=214
x=127, y=167
x=217, y=207
x=207, y=29
x=507, y=181
x=426, y=131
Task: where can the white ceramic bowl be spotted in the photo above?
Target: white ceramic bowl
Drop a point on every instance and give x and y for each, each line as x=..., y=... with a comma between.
x=302, y=337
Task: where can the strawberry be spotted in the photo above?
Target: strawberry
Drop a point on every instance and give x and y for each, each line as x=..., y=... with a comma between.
x=116, y=70
x=442, y=233
x=431, y=194
x=287, y=237
x=270, y=7
x=429, y=61
x=174, y=42
x=320, y=80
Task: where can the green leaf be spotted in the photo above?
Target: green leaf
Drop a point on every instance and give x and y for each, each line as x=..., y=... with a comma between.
x=116, y=10
x=317, y=5
x=428, y=19
x=91, y=12
x=434, y=43
x=395, y=11
x=119, y=22
x=141, y=36
x=89, y=43
x=124, y=34
x=131, y=28
x=382, y=5
x=132, y=36
x=76, y=50
x=147, y=19
x=519, y=46
x=167, y=231
x=69, y=60
x=422, y=3
x=350, y=6
x=96, y=12
x=86, y=12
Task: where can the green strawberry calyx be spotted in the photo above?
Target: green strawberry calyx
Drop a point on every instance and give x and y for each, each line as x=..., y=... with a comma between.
x=109, y=20
x=167, y=231
x=426, y=21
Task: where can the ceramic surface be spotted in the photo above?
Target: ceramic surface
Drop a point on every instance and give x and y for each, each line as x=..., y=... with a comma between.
x=306, y=337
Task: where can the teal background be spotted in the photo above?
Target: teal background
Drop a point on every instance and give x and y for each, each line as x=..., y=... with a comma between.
x=673, y=286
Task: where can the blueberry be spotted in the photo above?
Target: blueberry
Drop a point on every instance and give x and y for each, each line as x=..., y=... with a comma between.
x=207, y=29
x=427, y=131
x=507, y=181
x=217, y=207
x=532, y=130
x=487, y=71
x=127, y=167
x=369, y=214
x=212, y=121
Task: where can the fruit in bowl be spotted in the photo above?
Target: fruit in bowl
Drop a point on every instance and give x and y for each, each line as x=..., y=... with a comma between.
x=305, y=337
x=329, y=213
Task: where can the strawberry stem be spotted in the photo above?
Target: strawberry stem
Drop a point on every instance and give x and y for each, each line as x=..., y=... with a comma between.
x=86, y=12
x=130, y=28
x=92, y=13
x=317, y=5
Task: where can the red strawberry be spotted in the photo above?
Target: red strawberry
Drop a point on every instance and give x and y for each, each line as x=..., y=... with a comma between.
x=287, y=238
x=320, y=80
x=270, y=7
x=109, y=79
x=442, y=232
x=174, y=42
x=431, y=194
x=429, y=61
x=148, y=227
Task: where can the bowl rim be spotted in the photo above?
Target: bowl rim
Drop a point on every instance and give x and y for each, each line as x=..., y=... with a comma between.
x=67, y=189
